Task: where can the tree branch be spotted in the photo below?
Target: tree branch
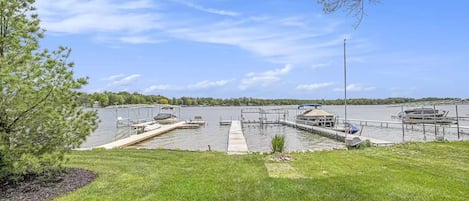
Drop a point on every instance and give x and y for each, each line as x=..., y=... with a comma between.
x=361, y=11
x=354, y=7
x=29, y=109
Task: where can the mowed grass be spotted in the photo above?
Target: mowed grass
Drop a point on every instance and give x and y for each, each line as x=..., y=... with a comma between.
x=413, y=171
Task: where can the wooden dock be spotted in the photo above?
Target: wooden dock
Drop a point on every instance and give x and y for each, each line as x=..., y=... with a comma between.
x=198, y=122
x=225, y=122
x=133, y=139
x=236, y=141
x=337, y=135
x=376, y=123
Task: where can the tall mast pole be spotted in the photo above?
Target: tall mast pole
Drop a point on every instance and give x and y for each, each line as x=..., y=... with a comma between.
x=345, y=81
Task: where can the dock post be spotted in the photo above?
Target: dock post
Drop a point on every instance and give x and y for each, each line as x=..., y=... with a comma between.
x=424, y=134
x=402, y=124
x=457, y=122
x=434, y=120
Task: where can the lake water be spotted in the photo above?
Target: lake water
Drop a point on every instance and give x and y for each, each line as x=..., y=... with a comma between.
x=258, y=136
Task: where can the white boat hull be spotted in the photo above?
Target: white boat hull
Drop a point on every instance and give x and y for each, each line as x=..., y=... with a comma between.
x=151, y=127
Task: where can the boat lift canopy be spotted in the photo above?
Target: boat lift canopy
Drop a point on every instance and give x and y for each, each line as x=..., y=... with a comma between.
x=309, y=105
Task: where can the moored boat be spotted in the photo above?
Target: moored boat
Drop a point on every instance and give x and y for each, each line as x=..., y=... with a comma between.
x=197, y=120
x=422, y=113
x=165, y=118
x=425, y=116
x=348, y=128
x=151, y=127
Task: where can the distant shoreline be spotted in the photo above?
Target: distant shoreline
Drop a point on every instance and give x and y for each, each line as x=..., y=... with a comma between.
x=409, y=104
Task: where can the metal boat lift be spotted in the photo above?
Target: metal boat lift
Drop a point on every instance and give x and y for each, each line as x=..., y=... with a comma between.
x=264, y=116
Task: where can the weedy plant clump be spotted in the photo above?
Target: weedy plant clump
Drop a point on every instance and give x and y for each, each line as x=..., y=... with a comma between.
x=278, y=143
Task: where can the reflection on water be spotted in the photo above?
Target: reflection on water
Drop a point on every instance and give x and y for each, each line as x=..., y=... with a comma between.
x=190, y=139
x=258, y=137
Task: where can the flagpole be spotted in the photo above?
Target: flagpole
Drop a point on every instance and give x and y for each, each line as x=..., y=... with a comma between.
x=345, y=82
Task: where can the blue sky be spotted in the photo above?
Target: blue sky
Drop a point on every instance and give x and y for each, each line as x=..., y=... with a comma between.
x=263, y=49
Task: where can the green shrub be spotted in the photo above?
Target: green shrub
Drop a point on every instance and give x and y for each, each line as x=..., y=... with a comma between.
x=363, y=145
x=366, y=144
x=278, y=144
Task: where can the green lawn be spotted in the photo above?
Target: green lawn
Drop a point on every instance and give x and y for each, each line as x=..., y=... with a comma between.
x=414, y=171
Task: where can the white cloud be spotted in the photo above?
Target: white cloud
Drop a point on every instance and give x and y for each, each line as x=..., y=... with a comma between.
x=139, y=40
x=196, y=86
x=161, y=87
x=208, y=10
x=277, y=72
x=116, y=82
x=357, y=88
x=294, y=22
x=265, y=78
x=267, y=38
x=315, y=86
x=113, y=77
x=75, y=16
x=95, y=90
x=301, y=39
x=320, y=65
x=123, y=80
x=208, y=84
x=85, y=23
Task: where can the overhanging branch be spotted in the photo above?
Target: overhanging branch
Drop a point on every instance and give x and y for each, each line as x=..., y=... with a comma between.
x=30, y=109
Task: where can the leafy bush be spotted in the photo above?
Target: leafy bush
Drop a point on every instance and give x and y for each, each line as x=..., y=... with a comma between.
x=363, y=145
x=278, y=143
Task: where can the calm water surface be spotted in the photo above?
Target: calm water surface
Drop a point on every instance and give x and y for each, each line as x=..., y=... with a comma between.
x=258, y=136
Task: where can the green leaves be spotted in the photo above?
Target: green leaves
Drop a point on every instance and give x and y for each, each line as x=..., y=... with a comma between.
x=40, y=117
x=278, y=143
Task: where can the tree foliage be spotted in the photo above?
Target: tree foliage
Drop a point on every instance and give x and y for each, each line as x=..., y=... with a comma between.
x=41, y=116
x=121, y=98
x=354, y=7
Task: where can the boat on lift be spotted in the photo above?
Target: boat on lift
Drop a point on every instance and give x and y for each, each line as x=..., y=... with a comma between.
x=422, y=113
x=166, y=115
x=425, y=116
x=165, y=118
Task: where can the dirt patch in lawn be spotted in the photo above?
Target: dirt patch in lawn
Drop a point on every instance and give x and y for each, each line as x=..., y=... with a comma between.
x=283, y=170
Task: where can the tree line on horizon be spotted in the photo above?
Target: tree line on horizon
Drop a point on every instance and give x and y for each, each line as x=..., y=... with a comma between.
x=105, y=99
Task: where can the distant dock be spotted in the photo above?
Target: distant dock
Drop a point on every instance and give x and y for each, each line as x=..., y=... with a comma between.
x=225, y=122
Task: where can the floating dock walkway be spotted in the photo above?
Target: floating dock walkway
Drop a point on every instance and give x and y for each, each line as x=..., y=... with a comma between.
x=133, y=139
x=236, y=141
x=338, y=135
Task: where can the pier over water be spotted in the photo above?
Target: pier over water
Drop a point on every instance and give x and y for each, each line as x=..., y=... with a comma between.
x=236, y=141
x=338, y=135
x=134, y=139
